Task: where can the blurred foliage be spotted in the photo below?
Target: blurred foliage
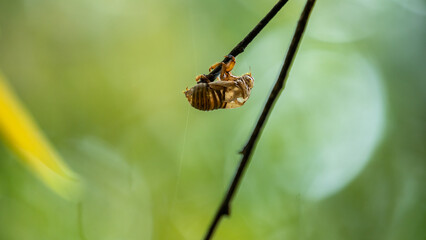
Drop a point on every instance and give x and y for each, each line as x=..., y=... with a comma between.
x=26, y=139
x=342, y=155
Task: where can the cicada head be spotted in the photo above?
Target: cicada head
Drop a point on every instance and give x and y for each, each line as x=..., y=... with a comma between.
x=248, y=79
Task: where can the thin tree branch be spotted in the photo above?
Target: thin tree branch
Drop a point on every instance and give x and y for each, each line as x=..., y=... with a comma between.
x=246, y=41
x=224, y=209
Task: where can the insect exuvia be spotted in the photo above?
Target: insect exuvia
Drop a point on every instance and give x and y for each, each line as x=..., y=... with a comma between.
x=228, y=92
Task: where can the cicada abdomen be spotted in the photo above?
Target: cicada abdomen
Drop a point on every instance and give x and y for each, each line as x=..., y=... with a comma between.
x=220, y=94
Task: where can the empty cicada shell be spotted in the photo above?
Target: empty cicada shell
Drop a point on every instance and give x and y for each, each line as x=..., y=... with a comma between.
x=227, y=92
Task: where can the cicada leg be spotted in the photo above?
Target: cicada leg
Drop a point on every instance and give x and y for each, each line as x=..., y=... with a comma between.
x=230, y=65
x=214, y=66
x=203, y=78
x=225, y=74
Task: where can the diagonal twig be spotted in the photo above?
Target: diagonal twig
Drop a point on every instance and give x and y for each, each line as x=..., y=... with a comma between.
x=224, y=208
x=246, y=41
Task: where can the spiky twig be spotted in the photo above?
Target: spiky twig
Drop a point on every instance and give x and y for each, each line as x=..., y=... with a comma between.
x=273, y=96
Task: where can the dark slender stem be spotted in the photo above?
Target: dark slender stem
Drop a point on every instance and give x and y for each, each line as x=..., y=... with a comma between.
x=273, y=96
x=246, y=41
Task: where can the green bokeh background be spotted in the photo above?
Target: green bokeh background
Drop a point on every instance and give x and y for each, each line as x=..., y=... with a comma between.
x=342, y=155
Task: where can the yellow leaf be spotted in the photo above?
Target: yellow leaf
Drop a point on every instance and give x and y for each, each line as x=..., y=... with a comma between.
x=26, y=139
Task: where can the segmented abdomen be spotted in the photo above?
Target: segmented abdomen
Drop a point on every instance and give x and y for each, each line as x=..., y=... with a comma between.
x=205, y=98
